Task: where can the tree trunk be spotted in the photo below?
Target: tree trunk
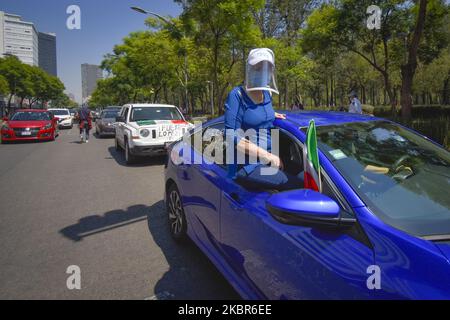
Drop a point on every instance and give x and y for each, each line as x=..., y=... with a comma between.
x=409, y=69
x=446, y=91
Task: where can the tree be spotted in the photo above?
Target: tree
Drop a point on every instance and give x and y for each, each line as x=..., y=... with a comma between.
x=343, y=25
x=226, y=29
x=4, y=86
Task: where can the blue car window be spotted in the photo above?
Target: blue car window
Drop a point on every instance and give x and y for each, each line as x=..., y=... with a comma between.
x=402, y=177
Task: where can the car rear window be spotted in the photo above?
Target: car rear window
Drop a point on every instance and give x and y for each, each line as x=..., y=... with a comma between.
x=60, y=112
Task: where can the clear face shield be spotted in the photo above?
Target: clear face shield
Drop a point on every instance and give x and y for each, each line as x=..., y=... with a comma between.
x=261, y=76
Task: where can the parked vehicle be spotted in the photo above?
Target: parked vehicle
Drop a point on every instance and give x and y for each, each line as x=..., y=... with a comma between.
x=384, y=211
x=65, y=120
x=29, y=124
x=147, y=129
x=105, y=124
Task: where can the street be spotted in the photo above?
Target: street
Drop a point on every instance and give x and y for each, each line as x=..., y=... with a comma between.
x=63, y=203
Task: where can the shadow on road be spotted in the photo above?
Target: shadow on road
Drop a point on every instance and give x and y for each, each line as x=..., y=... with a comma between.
x=140, y=162
x=191, y=275
x=95, y=224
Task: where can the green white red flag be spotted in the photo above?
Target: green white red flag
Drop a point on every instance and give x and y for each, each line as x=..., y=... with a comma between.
x=311, y=160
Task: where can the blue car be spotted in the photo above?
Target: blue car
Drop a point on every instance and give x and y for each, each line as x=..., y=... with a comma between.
x=380, y=229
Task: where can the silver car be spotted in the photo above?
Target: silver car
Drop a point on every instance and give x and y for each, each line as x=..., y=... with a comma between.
x=104, y=125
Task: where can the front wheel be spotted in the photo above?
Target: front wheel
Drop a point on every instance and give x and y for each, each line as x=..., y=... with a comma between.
x=129, y=158
x=175, y=213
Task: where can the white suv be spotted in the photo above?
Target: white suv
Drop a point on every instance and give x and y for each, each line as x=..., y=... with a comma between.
x=65, y=120
x=147, y=129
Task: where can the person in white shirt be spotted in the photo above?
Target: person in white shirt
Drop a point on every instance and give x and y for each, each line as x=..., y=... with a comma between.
x=355, y=104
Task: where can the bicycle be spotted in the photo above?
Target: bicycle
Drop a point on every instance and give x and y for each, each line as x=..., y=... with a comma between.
x=84, y=132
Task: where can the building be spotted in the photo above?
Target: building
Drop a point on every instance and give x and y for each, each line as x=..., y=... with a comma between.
x=90, y=74
x=47, y=52
x=18, y=38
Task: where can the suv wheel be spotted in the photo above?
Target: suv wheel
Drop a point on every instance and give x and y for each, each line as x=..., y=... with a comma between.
x=129, y=158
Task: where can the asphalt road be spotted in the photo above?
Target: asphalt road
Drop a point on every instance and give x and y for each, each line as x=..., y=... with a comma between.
x=63, y=203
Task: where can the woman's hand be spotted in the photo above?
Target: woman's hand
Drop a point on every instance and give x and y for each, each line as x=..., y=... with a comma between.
x=274, y=160
x=280, y=116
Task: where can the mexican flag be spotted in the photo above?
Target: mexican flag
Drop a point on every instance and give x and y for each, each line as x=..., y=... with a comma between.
x=311, y=160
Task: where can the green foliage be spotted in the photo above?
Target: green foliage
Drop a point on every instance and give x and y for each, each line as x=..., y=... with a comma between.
x=323, y=50
x=28, y=82
x=4, y=86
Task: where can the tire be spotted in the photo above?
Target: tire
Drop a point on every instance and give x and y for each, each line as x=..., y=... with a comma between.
x=175, y=215
x=129, y=158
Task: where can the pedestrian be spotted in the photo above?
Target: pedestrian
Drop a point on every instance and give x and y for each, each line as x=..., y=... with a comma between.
x=85, y=118
x=249, y=108
x=355, y=105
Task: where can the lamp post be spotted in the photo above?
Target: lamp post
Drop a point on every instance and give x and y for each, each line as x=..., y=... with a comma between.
x=211, y=95
x=143, y=11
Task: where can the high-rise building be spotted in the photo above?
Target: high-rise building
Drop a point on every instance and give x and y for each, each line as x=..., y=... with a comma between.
x=90, y=74
x=18, y=38
x=47, y=52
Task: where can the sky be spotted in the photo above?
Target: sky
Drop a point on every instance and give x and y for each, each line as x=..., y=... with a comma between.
x=104, y=23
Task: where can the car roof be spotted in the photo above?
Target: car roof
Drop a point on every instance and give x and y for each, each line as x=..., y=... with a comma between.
x=322, y=118
x=31, y=110
x=58, y=109
x=151, y=105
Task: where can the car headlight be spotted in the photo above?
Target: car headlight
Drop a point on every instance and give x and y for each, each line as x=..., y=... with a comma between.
x=47, y=126
x=145, y=133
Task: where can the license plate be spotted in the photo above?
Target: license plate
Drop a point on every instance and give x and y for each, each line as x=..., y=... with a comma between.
x=167, y=131
x=26, y=133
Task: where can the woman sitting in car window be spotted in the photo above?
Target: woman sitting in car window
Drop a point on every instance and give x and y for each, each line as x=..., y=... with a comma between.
x=250, y=107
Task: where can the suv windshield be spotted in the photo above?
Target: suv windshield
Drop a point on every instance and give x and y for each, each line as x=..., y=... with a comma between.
x=60, y=112
x=155, y=113
x=402, y=177
x=30, y=116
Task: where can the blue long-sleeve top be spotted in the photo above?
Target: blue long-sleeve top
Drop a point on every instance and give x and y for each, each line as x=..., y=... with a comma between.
x=242, y=113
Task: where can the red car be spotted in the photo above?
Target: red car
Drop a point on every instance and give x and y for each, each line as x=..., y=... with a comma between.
x=29, y=124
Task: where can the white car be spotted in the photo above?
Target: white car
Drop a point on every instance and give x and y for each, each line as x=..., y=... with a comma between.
x=147, y=129
x=65, y=120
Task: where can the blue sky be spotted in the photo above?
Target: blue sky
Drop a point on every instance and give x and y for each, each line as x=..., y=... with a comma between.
x=104, y=23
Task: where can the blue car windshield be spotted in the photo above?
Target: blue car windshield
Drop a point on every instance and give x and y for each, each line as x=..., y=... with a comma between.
x=402, y=177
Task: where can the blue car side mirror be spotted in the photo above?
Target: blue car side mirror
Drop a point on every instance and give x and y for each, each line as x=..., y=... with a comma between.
x=303, y=207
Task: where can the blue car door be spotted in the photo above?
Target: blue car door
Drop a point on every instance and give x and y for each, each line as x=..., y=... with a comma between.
x=201, y=195
x=278, y=261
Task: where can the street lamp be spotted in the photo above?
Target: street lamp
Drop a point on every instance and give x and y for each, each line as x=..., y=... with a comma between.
x=143, y=11
x=211, y=95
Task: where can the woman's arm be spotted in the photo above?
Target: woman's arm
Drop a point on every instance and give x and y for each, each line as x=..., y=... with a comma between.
x=253, y=150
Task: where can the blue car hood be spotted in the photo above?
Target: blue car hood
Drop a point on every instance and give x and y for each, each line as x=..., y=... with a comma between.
x=444, y=247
